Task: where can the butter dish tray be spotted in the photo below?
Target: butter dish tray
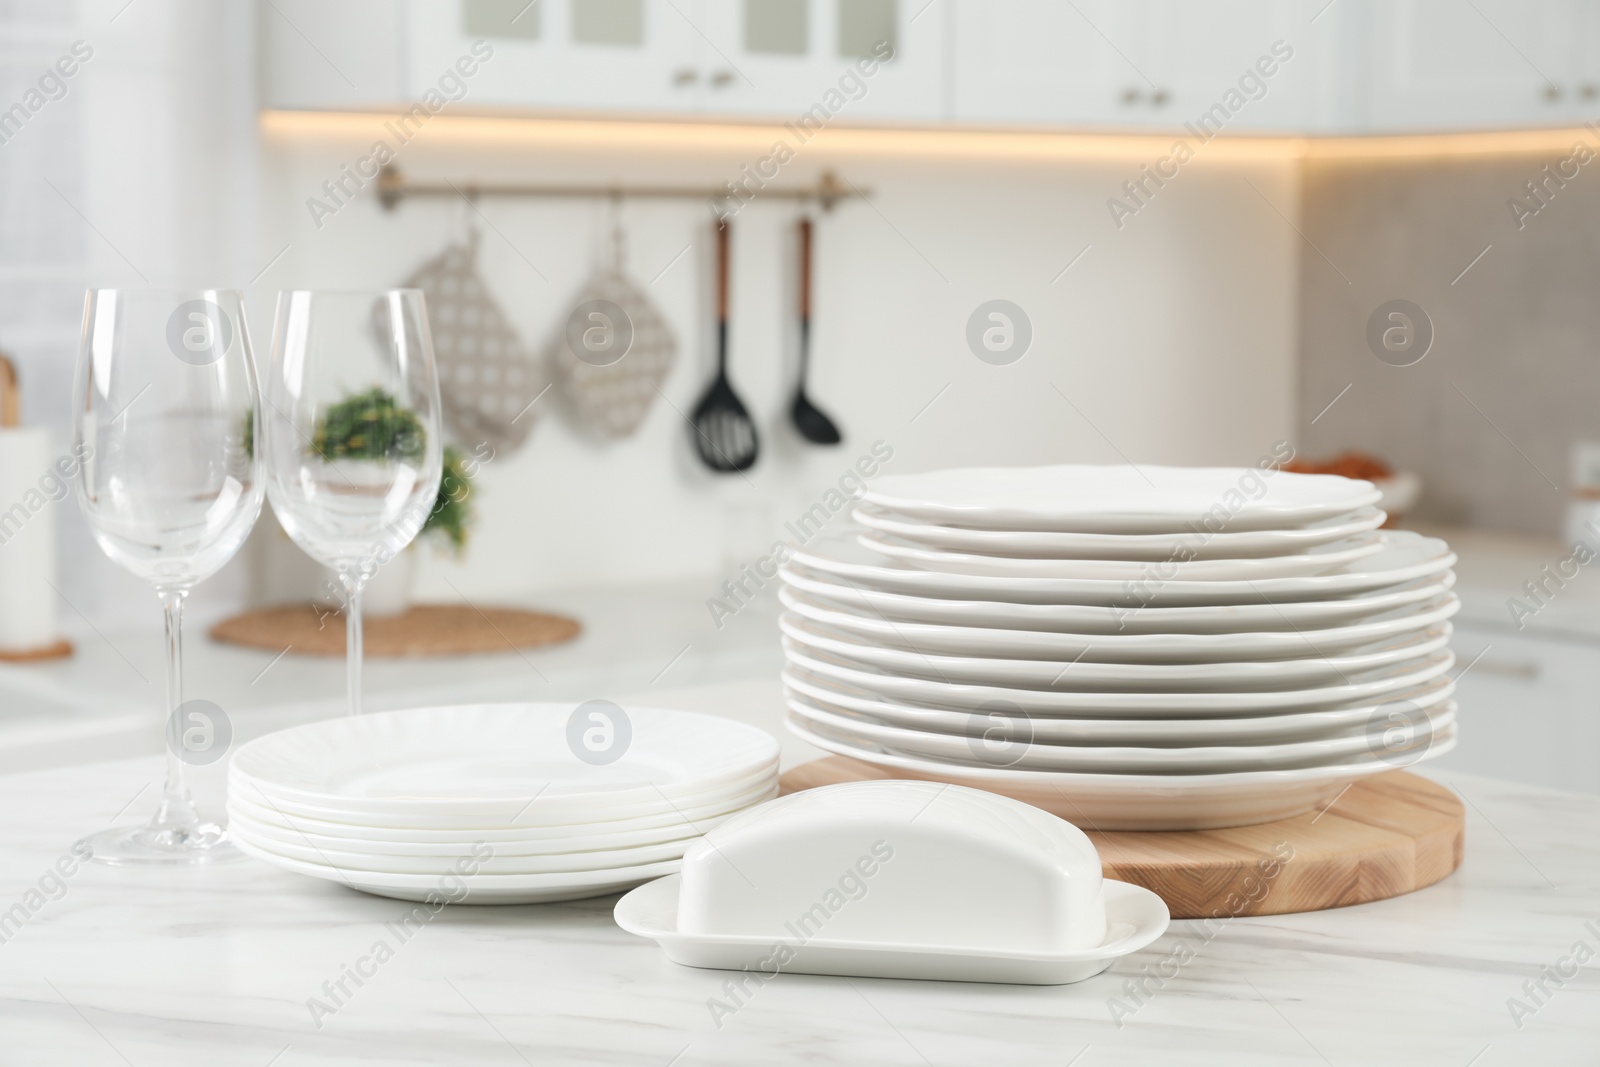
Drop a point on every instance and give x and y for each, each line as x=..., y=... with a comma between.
x=1135, y=917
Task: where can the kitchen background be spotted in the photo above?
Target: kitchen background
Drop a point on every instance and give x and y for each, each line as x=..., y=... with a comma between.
x=1185, y=307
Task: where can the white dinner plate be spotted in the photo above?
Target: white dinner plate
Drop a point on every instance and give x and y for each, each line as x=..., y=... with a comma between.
x=1135, y=917
x=476, y=888
x=1368, y=686
x=1195, y=544
x=665, y=824
x=517, y=817
x=1146, y=801
x=1259, y=617
x=1082, y=674
x=1058, y=730
x=1406, y=557
x=1008, y=746
x=488, y=758
x=1119, y=648
x=490, y=860
x=1319, y=559
x=1119, y=499
x=270, y=833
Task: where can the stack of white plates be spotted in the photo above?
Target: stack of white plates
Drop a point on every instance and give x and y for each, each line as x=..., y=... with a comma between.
x=495, y=803
x=1147, y=648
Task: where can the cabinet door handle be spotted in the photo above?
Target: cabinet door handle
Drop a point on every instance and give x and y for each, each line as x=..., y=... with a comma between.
x=684, y=77
x=1160, y=97
x=1131, y=96
x=1526, y=669
x=722, y=79
x=1588, y=91
x=1552, y=93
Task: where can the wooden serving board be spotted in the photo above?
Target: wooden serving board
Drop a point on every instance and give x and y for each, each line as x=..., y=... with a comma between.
x=1382, y=837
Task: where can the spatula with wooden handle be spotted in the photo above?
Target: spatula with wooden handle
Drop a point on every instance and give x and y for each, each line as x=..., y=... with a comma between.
x=724, y=434
x=813, y=425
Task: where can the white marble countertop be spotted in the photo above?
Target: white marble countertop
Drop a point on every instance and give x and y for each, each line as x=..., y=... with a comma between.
x=1493, y=567
x=216, y=966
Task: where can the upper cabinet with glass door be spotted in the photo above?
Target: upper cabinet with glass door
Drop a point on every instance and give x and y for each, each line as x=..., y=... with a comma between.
x=593, y=55
x=855, y=60
x=776, y=59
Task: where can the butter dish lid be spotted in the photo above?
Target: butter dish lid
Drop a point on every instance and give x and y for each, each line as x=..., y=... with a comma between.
x=898, y=862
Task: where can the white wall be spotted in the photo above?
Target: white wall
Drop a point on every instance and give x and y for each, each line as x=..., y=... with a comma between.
x=1173, y=336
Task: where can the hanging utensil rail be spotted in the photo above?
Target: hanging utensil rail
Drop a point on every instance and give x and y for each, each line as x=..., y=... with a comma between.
x=827, y=191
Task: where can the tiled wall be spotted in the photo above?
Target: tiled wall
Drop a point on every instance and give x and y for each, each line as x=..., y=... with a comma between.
x=1512, y=378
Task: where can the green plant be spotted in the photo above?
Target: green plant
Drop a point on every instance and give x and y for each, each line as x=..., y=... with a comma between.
x=452, y=514
x=369, y=425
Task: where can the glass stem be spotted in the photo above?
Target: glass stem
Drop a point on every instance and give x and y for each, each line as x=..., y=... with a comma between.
x=177, y=811
x=352, y=636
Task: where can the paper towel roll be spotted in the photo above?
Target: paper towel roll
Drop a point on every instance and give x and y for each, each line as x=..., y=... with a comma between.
x=31, y=488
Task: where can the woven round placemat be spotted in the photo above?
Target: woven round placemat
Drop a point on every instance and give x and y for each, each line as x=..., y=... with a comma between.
x=423, y=630
x=54, y=650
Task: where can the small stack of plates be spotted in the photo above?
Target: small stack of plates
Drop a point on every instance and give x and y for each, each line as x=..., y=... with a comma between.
x=1142, y=648
x=495, y=803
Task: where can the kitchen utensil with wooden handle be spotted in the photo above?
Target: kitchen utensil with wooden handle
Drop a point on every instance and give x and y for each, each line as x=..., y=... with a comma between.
x=724, y=434
x=813, y=425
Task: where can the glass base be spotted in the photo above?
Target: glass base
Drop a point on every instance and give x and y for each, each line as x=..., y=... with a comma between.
x=154, y=846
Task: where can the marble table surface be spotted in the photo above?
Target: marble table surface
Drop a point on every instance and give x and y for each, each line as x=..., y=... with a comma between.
x=1498, y=964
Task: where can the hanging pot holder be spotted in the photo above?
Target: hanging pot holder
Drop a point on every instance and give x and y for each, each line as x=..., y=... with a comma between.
x=488, y=379
x=612, y=353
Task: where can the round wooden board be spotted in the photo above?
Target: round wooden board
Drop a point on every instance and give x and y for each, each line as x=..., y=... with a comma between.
x=423, y=630
x=1382, y=837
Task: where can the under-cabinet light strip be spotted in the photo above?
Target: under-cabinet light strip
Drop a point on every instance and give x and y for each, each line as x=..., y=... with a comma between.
x=962, y=144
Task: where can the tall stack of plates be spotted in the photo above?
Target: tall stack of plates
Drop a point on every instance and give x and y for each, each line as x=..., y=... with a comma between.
x=1135, y=648
x=495, y=803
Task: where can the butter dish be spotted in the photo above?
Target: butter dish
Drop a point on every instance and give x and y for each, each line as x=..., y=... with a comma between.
x=896, y=879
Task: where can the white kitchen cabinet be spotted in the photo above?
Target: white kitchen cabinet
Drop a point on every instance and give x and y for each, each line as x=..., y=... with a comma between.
x=1031, y=62
x=1260, y=58
x=1137, y=63
x=1529, y=708
x=1488, y=64
x=1357, y=66
x=776, y=59
x=317, y=55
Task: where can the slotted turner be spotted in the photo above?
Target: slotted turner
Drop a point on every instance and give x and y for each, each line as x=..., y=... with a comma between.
x=724, y=434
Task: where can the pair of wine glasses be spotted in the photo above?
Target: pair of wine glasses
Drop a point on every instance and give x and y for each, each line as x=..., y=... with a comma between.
x=179, y=439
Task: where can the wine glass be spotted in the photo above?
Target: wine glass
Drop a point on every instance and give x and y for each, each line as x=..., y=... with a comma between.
x=351, y=431
x=165, y=418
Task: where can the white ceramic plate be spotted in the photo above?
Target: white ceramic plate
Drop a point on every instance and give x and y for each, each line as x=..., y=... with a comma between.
x=1118, y=499
x=1010, y=747
x=1055, y=730
x=1260, y=617
x=1135, y=917
x=1199, y=544
x=1405, y=557
x=491, y=861
x=494, y=758
x=1083, y=674
x=1119, y=648
x=1368, y=686
x=479, y=888
x=665, y=825
x=518, y=819
x=1147, y=801
x=1320, y=559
